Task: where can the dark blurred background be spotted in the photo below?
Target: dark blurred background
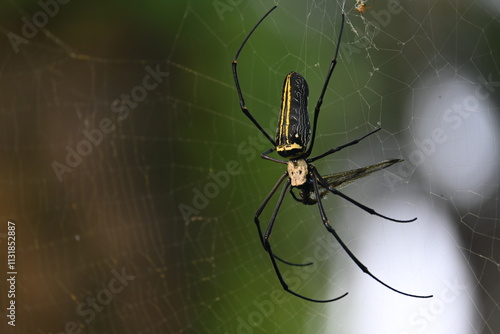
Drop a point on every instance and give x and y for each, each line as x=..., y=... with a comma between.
x=132, y=175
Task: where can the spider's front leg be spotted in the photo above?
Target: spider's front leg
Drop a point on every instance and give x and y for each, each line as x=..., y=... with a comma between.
x=234, y=66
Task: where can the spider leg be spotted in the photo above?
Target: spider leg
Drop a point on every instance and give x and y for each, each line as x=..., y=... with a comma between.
x=264, y=155
x=268, y=248
x=305, y=197
x=285, y=286
x=334, y=191
x=344, y=246
x=237, y=82
x=295, y=196
x=257, y=222
x=323, y=90
x=336, y=149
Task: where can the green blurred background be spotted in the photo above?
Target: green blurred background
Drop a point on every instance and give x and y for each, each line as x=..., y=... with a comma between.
x=120, y=209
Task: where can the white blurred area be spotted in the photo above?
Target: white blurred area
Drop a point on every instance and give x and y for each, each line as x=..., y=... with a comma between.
x=418, y=258
x=454, y=129
x=453, y=163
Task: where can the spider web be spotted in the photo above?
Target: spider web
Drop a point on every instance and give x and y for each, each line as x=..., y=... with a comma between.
x=133, y=176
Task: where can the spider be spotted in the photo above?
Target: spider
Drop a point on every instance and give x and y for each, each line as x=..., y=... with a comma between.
x=295, y=143
x=361, y=6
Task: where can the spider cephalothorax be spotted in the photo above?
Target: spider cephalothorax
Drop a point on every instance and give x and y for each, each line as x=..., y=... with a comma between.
x=297, y=172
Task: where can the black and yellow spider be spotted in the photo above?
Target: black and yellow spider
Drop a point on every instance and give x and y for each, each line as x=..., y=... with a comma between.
x=295, y=143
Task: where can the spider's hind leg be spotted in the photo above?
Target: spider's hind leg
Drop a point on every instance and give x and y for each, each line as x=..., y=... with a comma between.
x=267, y=244
x=257, y=222
x=318, y=179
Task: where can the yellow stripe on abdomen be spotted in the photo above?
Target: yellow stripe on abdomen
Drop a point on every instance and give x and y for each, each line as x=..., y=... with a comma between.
x=285, y=110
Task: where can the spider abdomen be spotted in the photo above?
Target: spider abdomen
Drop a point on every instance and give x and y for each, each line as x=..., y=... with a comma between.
x=294, y=129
